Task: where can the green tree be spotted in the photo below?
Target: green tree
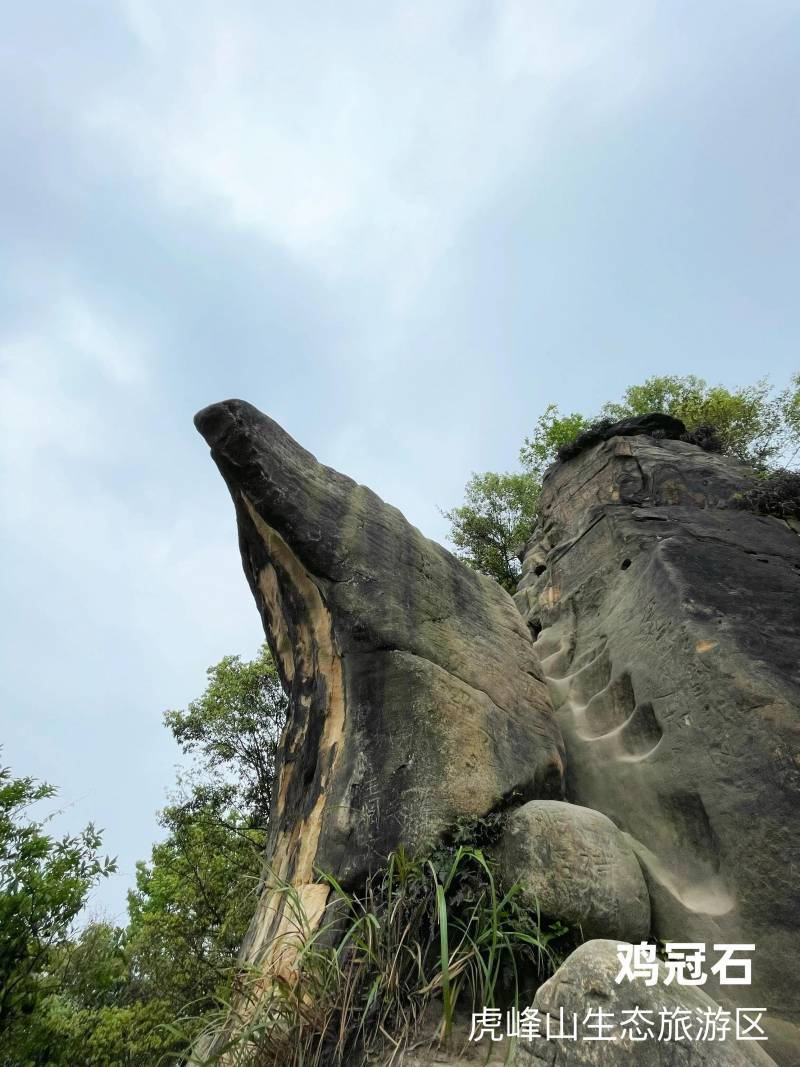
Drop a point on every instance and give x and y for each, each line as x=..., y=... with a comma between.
x=91, y=970
x=551, y=432
x=191, y=905
x=233, y=731
x=754, y=424
x=790, y=411
x=88, y=1012
x=194, y=898
x=134, y=997
x=44, y=884
x=491, y=526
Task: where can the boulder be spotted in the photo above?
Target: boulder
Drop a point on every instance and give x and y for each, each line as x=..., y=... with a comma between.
x=573, y=864
x=585, y=983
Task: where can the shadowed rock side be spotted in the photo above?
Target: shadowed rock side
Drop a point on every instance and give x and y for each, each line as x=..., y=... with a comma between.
x=416, y=697
x=667, y=627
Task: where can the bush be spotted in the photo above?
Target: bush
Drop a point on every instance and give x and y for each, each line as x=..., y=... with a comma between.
x=426, y=942
x=778, y=494
x=753, y=424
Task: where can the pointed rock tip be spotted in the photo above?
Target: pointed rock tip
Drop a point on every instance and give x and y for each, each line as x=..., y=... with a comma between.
x=214, y=421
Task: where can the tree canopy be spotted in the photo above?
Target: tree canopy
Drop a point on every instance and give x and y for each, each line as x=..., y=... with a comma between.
x=233, y=731
x=106, y=995
x=755, y=424
x=44, y=884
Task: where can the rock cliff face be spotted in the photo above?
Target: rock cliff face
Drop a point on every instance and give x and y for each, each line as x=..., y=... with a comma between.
x=668, y=627
x=637, y=712
x=416, y=699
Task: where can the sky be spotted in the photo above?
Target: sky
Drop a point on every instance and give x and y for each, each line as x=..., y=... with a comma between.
x=400, y=229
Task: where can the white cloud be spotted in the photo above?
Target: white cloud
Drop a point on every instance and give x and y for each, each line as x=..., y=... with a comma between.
x=409, y=156
x=362, y=142
x=49, y=415
x=94, y=339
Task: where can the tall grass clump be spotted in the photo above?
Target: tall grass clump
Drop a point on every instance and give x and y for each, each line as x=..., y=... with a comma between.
x=425, y=944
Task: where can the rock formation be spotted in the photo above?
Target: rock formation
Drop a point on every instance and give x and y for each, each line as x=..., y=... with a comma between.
x=667, y=625
x=661, y=644
x=416, y=699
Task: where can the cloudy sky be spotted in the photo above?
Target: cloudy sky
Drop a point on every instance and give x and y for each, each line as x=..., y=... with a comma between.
x=400, y=229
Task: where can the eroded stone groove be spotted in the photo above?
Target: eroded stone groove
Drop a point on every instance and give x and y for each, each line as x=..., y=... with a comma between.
x=668, y=626
x=416, y=698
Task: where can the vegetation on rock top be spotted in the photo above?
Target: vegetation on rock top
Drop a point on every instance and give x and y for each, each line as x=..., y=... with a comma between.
x=754, y=424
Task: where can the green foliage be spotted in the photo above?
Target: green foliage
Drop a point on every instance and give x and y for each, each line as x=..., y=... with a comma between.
x=754, y=424
x=92, y=969
x=552, y=431
x=233, y=731
x=789, y=404
x=66, y=999
x=135, y=1035
x=44, y=884
x=493, y=523
x=110, y=997
x=193, y=900
x=191, y=905
x=424, y=944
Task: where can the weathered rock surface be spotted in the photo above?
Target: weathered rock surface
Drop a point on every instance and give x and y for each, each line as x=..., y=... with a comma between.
x=573, y=864
x=586, y=982
x=415, y=696
x=668, y=627
x=655, y=424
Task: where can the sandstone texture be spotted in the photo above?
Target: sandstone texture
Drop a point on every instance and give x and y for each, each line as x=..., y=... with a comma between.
x=416, y=699
x=573, y=864
x=586, y=982
x=639, y=720
x=668, y=627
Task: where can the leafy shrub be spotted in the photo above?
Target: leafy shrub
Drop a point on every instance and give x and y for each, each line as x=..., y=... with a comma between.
x=778, y=494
